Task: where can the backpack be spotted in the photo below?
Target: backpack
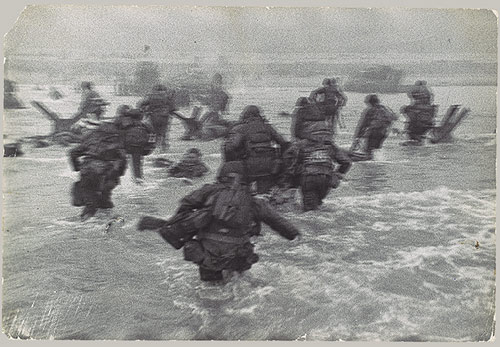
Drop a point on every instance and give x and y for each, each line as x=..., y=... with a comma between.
x=233, y=206
x=140, y=135
x=318, y=161
x=381, y=118
x=102, y=140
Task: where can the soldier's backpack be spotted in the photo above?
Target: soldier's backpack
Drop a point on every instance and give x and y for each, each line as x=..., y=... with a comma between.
x=140, y=136
x=102, y=140
x=233, y=205
x=318, y=161
x=382, y=118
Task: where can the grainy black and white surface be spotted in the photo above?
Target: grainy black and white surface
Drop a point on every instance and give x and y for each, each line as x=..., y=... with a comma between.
x=404, y=249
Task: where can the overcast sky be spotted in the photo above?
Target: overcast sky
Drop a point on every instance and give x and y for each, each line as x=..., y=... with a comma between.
x=219, y=29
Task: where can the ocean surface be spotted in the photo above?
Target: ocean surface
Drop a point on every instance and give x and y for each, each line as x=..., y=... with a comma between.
x=403, y=250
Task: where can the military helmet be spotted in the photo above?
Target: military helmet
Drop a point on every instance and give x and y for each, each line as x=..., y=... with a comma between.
x=160, y=88
x=194, y=150
x=122, y=110
x=231, y=168
x=333, y=80
x=250, y=111
x=327, y=82
x=86, y=85
x=372, y=99
x=134, y=113
x=302, y=101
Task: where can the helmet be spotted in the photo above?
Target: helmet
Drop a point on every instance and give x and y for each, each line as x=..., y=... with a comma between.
x=333, y=80
x=327, y=82
x=372, y=99
x=134, y=113
x=420, y=83
x=160, y=88
x=122, y=110
x=86, y=85
x=194, y=150
x=250, y=111
x=302, y=101
x=229, y=168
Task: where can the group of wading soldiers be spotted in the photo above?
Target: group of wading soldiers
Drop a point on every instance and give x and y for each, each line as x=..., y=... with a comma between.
x=215, y=223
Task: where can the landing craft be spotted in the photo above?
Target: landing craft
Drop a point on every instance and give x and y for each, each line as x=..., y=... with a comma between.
x=378, y=79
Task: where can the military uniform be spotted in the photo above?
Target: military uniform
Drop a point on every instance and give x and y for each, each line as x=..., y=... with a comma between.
x=329, y=99
x=421, y=119
x=102, y=163
x=92, y=102
x=252, y=140
x=303, y=115
x=159, y=105
x=224, y=242
x=374, y=124
x=310, y=165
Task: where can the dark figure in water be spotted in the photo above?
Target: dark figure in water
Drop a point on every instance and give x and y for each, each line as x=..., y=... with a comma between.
x=310, y=164
x=158, y=106
x=304, y=114
x=221, y=218
x=374, y=125
x=101, y=160
x=258, y=145
x=138, y=138
x=329, y=99
x=92, y=102
x=191, y=165
x=421, y=113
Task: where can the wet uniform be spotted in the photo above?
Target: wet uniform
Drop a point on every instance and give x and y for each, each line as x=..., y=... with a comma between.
x=191, y=166
x=224, y=243
x=331, y=100
x=310, y=165
x=91, y=103
x=252, y=140
x=159, y=105
x=374, y=125
x=103, y=162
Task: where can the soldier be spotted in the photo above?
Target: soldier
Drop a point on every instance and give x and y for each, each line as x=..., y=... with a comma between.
x=217, y=102
x=421, y=113
x=304, y=114
x=101, y=160
x=191, y=165
x=214, y=224
x=329, y=99
x=159, y=105
x=374, y=125
x=92, y=102
x=255, y=141
x=138, y=138
x=309, y=163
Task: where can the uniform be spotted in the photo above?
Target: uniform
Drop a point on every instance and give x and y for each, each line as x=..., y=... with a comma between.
x=235, y=215
x=138, y=138
x=101, y=160
x=92, y=102
x=329, y=99
x=374, y=124
x=159, y=105
x=421, y=119
x=253, y=141
x=309, y=163
x=303, y=115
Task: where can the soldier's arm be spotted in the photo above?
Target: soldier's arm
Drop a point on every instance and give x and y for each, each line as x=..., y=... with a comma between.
x=75, y=154
x=342, y=158
x=269, y=216
x=276, y=136
x=234, y=140
x=196, y=199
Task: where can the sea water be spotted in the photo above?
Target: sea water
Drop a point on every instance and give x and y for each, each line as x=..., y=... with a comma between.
x=403, y=250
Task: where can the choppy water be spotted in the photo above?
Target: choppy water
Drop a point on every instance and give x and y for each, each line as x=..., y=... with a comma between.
x=403, y=250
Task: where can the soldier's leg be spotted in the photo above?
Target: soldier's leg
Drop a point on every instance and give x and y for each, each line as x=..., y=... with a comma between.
x=137, y=163
x=310, y=198
x=90, y=194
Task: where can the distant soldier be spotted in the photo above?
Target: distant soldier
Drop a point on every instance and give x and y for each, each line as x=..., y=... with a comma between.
x=258, y=145
x=138, y=138
x=191, y=165
x=92, y=102
x=330, y=99
x=373, y=125
x=217, y=102
x=158, y=106
x=421, y=113
x=420, y=94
